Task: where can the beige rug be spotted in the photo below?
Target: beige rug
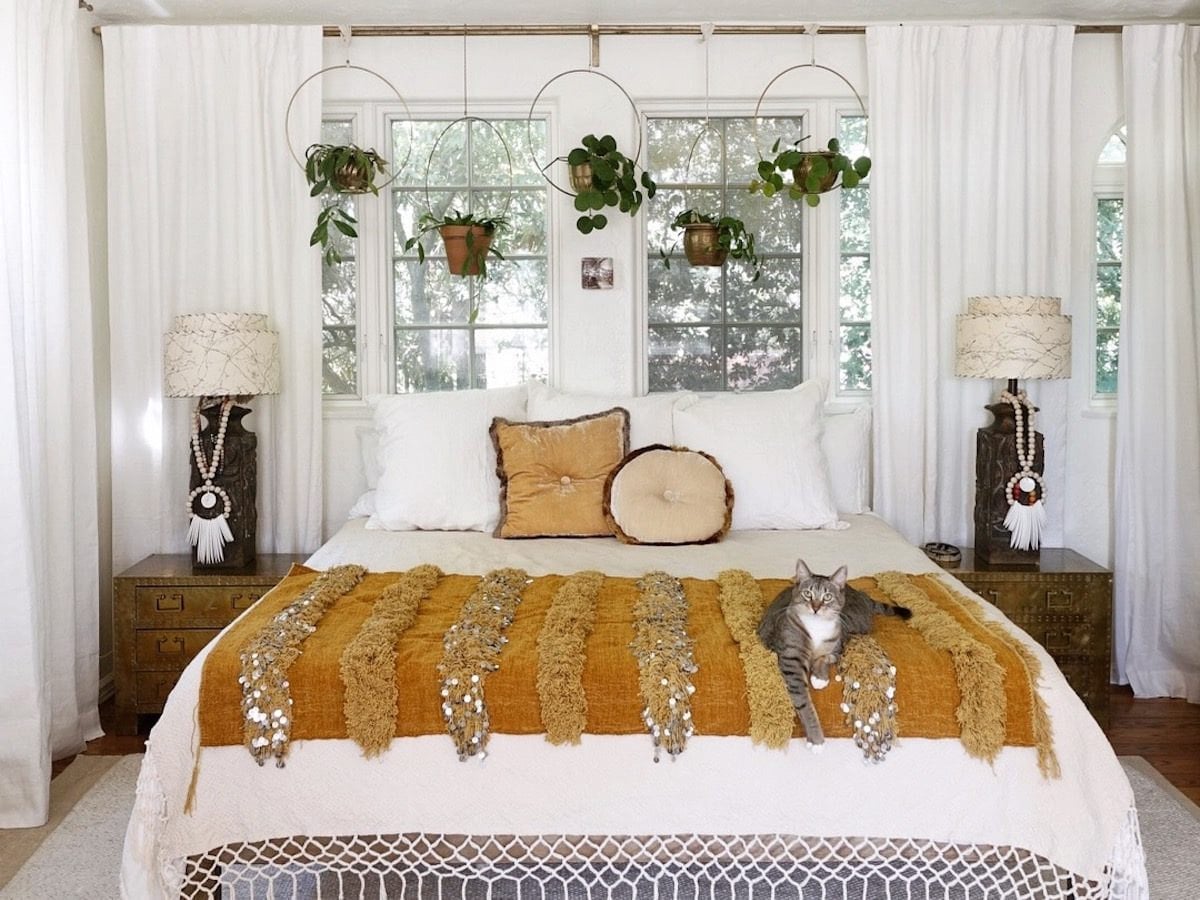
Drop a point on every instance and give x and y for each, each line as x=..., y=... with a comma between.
x=77, y=854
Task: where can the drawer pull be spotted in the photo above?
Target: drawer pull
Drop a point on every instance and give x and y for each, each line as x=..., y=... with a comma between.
x=169, y=603
x=242, y=601
x=176, y=641
x=1057, y=640
x=1053, y=600
x=993, y=595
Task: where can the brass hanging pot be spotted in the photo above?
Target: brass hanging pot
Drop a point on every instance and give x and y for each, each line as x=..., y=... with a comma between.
x=702, y=245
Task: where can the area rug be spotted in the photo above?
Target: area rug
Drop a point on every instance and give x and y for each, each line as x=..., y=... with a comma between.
x=81, y=855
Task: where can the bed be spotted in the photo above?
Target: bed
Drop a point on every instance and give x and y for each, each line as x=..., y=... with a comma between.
x=726, y=817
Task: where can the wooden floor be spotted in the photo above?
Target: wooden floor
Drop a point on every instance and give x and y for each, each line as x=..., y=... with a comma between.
x=1165, y=732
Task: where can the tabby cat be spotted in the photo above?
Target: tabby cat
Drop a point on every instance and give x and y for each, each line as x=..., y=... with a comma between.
x=807, y=625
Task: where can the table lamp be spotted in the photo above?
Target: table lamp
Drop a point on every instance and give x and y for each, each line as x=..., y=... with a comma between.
x=1013, y=338
x=223, y=359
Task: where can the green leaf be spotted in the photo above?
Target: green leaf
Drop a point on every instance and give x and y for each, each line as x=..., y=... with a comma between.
x=775, y=146
x=648, y=182
x=603, y=172
x=768, y=189
x=849, y=179
x=820, y=167
x=795, y=193
x=592, y=143
x=608, y=144
x=789, y=159
x=599, y=221
x=862, y=166
x=596, y=199
x=812, y=184
x=346, y=229
x=584, y=224
x=812, y=199
x=625, y=205
x=317, y=189
x=611, y=198
x=651, y=190
x=765, y=169
x=583, y=202
x=577, y=157
x=834, y=145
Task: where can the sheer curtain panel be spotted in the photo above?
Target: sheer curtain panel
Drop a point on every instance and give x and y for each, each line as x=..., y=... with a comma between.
x=208, y=212
x=965, y=200
x=1157, y=560
x=49, y=551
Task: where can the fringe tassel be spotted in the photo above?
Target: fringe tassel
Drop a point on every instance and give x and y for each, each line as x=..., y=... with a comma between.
x=1026, y=524
x=209, y=537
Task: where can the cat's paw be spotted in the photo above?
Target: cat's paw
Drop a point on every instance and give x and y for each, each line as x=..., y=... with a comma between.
x=815, y=748
x=818, y=683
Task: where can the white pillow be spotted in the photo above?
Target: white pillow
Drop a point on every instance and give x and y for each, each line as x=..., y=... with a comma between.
x=439, y=466
x=368, y=449
x=769, y=445
x=364, y=507
x=649, y=416
x=846, y=444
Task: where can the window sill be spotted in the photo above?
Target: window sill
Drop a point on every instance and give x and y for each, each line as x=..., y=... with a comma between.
x=1101, y=409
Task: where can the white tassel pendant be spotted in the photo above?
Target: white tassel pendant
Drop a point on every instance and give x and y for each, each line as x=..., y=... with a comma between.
x=1026, y=513
x=209, y=537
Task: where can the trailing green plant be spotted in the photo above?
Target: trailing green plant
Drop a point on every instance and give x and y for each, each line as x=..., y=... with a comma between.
x=472, y=262
x=732, y=238
x=339, y=169
x=813, y=171
x=613, y=182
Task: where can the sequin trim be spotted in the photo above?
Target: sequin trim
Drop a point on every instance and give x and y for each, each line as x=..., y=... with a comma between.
x=266, y=658
x=562, y=646
x=663, y=651
x=368, y=664
x=869, y=696
x=772, y=716
x=471, y=652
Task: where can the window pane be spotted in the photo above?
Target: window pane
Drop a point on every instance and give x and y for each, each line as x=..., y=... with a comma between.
x=514, y=293
x=448, y=165
x=410, y=205
x=746, y=145
x=429, y=294
x=855, y=358
x=490, y=164
x=666, y=205
x=685, y=358
x=1114, y=149
x=764, y=358
x=1110, y=248
x=508, y=357
x=684, y=293
x=775, y=297
x=432, y=360
x=1108, y=296
x=1110, y=229
x=339, y=288
x=854, y=296
x=855, y=301
x=669, y=142
x=526, y=214
x=1107, y=341
x=775, y=224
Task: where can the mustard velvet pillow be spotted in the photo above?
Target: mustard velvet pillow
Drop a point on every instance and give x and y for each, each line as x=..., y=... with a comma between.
x=552, y=474
x=668, y=495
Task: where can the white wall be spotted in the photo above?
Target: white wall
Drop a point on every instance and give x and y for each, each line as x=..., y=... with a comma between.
x=596, y=336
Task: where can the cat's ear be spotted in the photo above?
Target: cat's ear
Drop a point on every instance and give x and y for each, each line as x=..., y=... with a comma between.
x=802, y=572
x=839, y=577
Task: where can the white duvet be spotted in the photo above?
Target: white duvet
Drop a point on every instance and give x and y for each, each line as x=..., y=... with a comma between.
x=926, y=789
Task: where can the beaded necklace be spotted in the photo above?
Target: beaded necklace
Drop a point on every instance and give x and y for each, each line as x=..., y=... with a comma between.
x=1025, y=490
x=209, y=534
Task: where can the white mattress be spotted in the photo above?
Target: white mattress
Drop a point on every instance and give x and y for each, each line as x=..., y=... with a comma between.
x=927, y=789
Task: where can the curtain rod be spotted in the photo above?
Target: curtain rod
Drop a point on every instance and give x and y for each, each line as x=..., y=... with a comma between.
x=598, y=30
x=607, y=30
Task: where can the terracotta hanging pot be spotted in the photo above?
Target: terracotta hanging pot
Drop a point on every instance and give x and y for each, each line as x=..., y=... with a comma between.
x=701, y=245
x=801, y=172
x=461, y=259
x=581, y=177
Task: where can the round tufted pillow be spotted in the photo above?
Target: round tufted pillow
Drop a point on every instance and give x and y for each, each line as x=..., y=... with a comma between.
x=668, y=495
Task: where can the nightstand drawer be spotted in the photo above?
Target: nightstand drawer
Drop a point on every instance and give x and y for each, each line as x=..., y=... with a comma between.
x=152, y=689
x=173, y=606
x=1033, y=598
x=169, y=649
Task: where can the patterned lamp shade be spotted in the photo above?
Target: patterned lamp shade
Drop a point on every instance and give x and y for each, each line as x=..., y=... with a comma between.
x=218, y=354
x=1013, y=337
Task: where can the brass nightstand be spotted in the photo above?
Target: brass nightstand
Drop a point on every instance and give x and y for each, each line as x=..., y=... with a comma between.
x=1065, y=604
x=164, y=614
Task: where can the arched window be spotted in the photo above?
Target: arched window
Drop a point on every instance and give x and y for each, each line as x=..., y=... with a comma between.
x=1109, y=187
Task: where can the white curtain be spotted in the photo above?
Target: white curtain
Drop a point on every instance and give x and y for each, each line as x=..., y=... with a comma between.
x=970, y=143
x=208, y=212
x=1157, y=567
x=49, y=552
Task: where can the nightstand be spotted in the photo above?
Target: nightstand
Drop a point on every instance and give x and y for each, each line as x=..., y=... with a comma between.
x=1065, y=604
x=164, y=614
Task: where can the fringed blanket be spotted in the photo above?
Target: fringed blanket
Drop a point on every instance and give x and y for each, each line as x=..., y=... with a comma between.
x=373, y=656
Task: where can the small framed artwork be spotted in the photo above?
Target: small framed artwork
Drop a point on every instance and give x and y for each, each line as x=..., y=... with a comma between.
x=597, y=273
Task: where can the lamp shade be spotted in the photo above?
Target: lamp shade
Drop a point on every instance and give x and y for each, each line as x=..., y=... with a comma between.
x=1013, y=337
x=218, y=354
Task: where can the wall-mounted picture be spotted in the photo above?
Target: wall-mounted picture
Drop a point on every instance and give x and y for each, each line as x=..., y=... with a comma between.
x=597, y=273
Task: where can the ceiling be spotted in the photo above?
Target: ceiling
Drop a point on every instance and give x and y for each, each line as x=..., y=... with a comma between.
x=506, y=12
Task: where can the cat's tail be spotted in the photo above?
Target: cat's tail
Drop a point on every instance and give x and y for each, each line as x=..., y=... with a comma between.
x=885, y=609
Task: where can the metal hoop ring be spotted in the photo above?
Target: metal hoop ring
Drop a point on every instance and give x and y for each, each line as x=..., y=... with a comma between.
x=529, y=124
x=287, y=118
x=807, y=65
x=687, y=167
x=503, y=143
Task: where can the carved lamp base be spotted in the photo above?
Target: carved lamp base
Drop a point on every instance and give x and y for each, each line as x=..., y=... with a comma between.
x=995, y=463
x=238, y=478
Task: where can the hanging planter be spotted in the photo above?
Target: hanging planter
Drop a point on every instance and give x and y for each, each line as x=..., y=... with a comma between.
x=466, y=237
x=709, y=240
x=813, y=172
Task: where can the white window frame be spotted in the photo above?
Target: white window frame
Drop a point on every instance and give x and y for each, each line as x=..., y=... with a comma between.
x=376, y=336
x=1108, y=183
x=821, y=269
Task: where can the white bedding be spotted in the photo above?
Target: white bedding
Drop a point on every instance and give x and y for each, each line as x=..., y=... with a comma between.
x=926, y=789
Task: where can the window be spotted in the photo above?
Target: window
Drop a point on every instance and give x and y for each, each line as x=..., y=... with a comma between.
x=713, y=329
x=339, y=290
x=451, y=333
x=854, y=271
x=1110, y=247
